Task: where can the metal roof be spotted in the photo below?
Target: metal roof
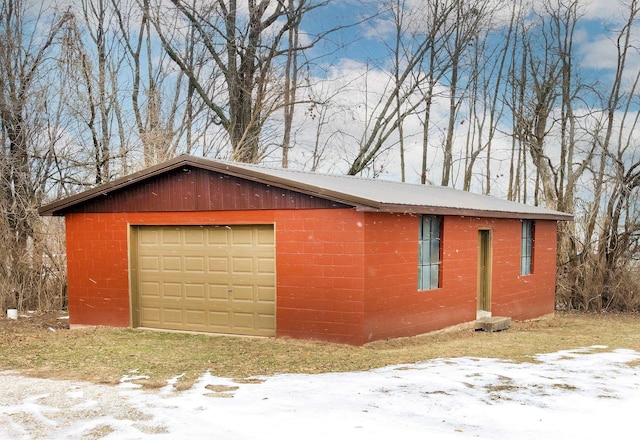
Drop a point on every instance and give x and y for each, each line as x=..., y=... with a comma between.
x=362, y=193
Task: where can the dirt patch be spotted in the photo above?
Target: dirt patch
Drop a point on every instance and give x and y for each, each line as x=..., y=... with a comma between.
x=31, y=324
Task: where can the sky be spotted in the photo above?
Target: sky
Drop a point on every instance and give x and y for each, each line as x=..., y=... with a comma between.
x=349, y=62
x=586, y=393
x=350, y=70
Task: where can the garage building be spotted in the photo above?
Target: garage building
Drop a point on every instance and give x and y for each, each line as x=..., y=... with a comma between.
x=219, y=247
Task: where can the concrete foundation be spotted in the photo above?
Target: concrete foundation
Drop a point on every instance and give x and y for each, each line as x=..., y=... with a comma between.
x=492, y=324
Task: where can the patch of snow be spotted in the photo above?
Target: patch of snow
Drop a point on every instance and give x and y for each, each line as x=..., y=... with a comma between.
x=127, y=379
x=587, y=393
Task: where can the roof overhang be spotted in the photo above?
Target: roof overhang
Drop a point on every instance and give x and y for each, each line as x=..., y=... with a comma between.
x=58, y=208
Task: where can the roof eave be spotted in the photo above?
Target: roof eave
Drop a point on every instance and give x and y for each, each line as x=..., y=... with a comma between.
x=467, y=212
x=56, y=208
x=59, y=207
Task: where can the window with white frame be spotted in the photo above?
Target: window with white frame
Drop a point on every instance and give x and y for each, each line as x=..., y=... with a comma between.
x=429, y=252
x=526, y=249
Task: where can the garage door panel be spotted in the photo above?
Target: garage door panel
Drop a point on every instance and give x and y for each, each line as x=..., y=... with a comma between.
x=242, y=293
x=194, y=236
x=217, y=292
x=242, y=265
x=150, y=314
x=171, y=264
x=266, y=265
x=266, y=293
x=195, y=291
x=148, y=236
x=218, y=235
x=242, y=236
x=150, y=262
x=219, y=319
x=265, y=237
x=210, y=278
x=194, y=264
x=150, y=289
x=262, y=309
x=266, y=321
x=172, y=316
x=243, y=320
x=170, y=290
x=195, y=317
x=219, y=265
x=170, y=236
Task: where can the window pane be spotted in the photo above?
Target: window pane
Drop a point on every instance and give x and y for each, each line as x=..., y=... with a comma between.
x=435, y=251
x=525, y=266
x=429, y=252
x=424, y=252
x=426, y=228
x=526, y=250
x=425, y=278
x=435, y=227
x=434, y=276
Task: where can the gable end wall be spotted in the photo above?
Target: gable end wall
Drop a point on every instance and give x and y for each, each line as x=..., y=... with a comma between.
x=195, y=189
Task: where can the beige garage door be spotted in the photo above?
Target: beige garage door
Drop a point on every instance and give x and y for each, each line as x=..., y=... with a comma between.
x=218, y=279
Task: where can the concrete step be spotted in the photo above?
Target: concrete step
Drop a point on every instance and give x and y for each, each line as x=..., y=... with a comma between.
x=492, y=324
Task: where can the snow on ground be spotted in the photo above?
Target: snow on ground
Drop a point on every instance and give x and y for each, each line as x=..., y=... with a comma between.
x=590, y=393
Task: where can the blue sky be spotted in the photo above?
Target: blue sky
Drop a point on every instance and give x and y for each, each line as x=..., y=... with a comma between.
x=348, y=55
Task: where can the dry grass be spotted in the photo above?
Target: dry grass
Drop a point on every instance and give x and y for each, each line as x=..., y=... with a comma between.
x=104, y=355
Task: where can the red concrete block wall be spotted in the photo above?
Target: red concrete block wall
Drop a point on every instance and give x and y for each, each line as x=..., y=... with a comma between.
x=341, y=275
x=524, y=296
x=319, y=267
x=394, y=307
x=320, y=270
x=97, y=270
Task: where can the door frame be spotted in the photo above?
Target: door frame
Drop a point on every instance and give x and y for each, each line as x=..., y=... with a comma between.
x=485, y=257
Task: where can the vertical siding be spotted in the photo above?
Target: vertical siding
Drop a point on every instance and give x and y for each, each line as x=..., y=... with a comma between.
x=194, y=189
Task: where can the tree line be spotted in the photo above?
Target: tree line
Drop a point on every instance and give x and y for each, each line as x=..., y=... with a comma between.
x=492, y=96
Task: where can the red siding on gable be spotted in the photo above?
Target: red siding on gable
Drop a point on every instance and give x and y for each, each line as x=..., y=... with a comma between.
x=195, y=189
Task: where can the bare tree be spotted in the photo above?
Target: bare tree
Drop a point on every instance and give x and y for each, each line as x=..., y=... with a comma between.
x=619, y=233
x=439, y=27
x=26, y=42
x=397, y=101
x=469, y=19
x=245, y=44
